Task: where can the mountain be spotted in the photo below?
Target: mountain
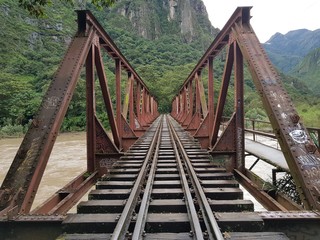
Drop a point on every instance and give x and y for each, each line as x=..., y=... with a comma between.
x=178, y=30
x=156, y=36
x=155, y=18
x=308, y=70
x=286, y=51
x=162, y=39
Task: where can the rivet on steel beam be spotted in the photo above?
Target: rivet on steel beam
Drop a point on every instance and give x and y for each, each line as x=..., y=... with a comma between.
x=295, y=118
x=311, y=148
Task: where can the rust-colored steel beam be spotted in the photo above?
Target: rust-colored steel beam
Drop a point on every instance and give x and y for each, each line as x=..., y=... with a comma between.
x=203, y=101
x=239, y=107
x=197, y=94
x=126, y=102
x=68, y=196
x=189, y=105
x=118, y=97
x=268, y=202
x=131, y=103
x=218, y=44
x=210, y=97
x=110, y=46
x=28, y=166
x=199, y=122
x=301, y=154
x=107, y=97
x=91, y=133
x=23, y=178
x=138, y=102
x=223, y=94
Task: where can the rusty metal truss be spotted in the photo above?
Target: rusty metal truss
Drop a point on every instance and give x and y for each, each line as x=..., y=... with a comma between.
x=201, y=113
x=133, y=115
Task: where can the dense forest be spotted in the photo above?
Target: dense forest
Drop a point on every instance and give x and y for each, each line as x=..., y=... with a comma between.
x=161, y=51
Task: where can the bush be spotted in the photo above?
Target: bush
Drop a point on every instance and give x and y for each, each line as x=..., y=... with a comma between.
x=11, y=131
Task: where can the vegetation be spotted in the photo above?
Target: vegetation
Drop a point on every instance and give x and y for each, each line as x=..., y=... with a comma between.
x=37, y=7
x=31, y=49
x=309, y=71
x=287, y=186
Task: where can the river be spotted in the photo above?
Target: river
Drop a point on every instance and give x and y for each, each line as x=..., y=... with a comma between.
x=68, y=160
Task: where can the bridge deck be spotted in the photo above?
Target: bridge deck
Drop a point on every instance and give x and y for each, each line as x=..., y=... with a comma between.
x=177, y=185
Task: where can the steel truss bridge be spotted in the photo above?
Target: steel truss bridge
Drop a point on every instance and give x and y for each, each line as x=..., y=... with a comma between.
x=165, y=176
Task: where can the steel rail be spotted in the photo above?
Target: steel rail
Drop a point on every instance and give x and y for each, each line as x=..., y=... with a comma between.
x=192, y=212
x=125, y=218
x=144, y=206
x=210, y=221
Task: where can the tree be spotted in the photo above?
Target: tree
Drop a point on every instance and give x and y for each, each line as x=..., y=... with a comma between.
x=37, y=7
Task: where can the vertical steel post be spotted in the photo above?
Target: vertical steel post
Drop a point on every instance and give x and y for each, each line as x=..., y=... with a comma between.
x=186, y=102
x=191, y=97
x=131, y=104
x=210, y=96
x=91, y=133
x=148, y=106
x=177, y=106
x=138, y=101
x=143, y=105
x=125, y=106
x=152, y=107
x=239, y=109
x=180, y=106
x=202, y=96
x=253, y=128
x=198, y=104
x=118, y=97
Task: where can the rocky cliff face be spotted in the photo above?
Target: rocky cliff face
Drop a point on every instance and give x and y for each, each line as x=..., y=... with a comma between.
x=153, y=18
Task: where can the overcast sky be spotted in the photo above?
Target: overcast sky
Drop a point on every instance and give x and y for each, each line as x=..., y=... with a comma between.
x=268, y=16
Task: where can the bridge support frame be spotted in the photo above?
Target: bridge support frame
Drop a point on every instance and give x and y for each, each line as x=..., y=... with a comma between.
x=301, y=154
x=23, y=178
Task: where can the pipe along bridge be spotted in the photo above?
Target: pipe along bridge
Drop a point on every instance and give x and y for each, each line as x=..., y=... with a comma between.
x=173, y=176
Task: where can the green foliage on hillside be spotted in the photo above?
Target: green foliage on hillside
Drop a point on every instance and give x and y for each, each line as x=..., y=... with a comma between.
x=31, y=50
x=37, y=8
x=309, y=71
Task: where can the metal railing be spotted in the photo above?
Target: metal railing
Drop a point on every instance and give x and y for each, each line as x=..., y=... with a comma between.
x=258, y=127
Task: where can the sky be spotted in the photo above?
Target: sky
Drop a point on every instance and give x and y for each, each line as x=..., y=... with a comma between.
x=268, y=16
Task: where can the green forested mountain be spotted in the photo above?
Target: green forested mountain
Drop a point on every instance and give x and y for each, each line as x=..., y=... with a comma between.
x=286, y=51
x=297, y=53
x=162, y=39
x=31, y=50
x=308, y=70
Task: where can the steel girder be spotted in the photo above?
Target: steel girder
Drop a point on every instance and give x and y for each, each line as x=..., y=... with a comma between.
x=21, y=183
x=301, y=154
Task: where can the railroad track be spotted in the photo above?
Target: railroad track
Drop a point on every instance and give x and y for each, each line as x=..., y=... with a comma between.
x=166, y=187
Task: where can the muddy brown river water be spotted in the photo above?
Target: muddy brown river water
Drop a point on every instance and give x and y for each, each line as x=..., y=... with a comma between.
x=67, y=160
